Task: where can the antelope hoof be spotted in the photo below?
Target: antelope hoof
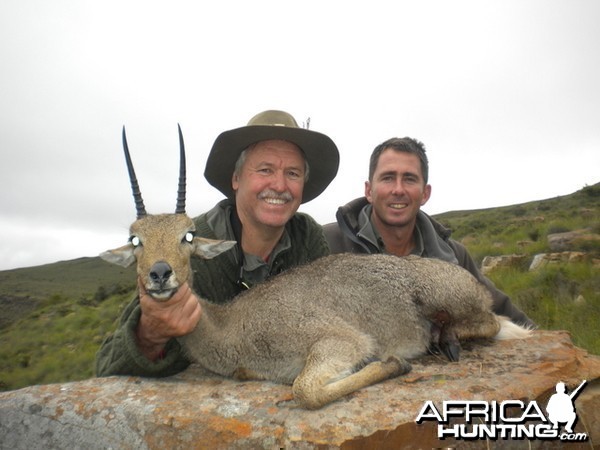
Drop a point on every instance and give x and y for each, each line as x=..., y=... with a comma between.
x=451, y=350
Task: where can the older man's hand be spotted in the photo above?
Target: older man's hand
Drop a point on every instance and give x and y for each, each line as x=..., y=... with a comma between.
x=163, y=320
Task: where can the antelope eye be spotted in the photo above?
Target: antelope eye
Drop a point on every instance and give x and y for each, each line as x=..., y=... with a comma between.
x=189, y=237
x=135, y=241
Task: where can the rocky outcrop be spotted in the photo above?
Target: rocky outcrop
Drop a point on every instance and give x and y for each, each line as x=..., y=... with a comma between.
x=568, y=248
x=573, y=240
x=198, y=410
x=543, y=259
x=521, y=262
x=491, y=263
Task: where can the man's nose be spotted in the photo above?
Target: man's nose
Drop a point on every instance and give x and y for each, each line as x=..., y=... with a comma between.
x=278, y=182
x=398, y=187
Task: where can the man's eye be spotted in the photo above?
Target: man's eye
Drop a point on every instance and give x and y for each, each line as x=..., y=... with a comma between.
x=135, y=241
x=189, y=237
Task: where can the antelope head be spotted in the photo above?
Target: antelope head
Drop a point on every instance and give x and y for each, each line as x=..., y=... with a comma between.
x=163, y=244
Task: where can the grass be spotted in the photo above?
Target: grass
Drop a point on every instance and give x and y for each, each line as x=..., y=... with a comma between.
x=53, y=318
x=48, y=338
x=58, y=341
x=561, y=297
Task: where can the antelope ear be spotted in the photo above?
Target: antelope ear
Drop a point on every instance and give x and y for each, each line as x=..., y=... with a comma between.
x=209, y=248
x=122, y=256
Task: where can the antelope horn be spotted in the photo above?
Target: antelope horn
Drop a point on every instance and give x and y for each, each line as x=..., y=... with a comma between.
x=180, y=208
x=137, y=195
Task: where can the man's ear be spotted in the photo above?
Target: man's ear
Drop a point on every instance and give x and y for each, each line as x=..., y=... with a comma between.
x=209, y=248
x=368, y=191
x=235, y=181
x=426, y=194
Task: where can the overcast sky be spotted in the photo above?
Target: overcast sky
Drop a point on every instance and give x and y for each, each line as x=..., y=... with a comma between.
x=504, y=94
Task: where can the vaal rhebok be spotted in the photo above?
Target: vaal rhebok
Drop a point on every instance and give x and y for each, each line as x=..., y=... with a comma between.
x=330, y=327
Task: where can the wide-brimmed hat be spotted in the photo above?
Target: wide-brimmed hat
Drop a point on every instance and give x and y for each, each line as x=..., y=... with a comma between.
x=319, y=150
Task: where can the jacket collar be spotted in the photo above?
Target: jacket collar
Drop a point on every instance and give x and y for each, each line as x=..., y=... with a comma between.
x=354, y=220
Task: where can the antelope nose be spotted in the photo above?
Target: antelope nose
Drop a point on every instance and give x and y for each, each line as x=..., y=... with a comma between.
x=160, y=272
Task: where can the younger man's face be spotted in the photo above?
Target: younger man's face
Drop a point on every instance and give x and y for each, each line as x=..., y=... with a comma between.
x=397, y=190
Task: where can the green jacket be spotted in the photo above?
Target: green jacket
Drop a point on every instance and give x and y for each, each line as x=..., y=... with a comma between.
x=216, y=280
x=433, y=241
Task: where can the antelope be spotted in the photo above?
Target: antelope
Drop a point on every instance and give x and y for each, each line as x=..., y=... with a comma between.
x=328, y=328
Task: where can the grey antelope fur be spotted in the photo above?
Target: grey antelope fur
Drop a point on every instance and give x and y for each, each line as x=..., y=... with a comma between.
x=330, y=327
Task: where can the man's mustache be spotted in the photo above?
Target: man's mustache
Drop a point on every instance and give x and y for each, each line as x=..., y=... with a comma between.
x=270, y=193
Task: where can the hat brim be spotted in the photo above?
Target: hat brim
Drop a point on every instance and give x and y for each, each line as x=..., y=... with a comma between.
x=320, y=152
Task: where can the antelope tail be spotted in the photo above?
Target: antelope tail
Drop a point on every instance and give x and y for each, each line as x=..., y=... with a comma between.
x=510, y=330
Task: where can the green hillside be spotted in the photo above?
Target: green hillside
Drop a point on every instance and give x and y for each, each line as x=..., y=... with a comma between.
x=21, y=290
x=501, y=231
x=54, y=317
x=74, y=278
x=562, y=296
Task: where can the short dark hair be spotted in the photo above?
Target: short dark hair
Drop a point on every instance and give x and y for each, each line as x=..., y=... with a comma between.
x=405, y=144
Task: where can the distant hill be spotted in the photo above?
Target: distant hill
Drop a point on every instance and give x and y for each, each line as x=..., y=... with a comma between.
x=22, y=289
x=583, y=201
x=72, y=278
x=503, y=230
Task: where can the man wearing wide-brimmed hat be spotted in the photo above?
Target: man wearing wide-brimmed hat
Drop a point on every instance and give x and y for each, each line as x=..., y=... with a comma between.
x=266, y=169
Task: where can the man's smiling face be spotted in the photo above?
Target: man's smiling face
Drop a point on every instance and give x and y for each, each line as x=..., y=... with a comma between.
x=397, y=190
x=269, y=186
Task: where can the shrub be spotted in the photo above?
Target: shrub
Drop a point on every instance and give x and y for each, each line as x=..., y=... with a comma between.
x=518, y=211
x=534, y=235
x=558, y=229
x=592, y=191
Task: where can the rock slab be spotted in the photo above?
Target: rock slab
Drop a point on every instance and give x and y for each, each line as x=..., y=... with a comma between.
x=197, y=410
